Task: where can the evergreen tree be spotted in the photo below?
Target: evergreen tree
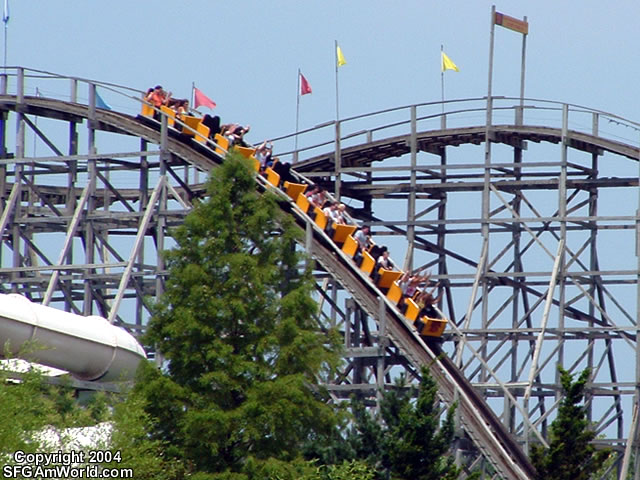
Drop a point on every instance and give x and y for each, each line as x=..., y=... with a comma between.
x=236, y=326
x=410, y=442
x=136, y=450
x=571, y=455
x=352, y=470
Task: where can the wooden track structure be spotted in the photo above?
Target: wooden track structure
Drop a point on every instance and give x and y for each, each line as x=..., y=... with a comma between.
x=434, y=141
x=83, y=232
x=540, y=281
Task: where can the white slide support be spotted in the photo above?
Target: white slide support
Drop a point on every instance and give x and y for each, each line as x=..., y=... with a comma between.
x=90, y=348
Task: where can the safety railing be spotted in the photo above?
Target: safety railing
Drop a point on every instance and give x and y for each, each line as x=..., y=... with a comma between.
x=23, y=82
x=367, y=128
x=356, y=130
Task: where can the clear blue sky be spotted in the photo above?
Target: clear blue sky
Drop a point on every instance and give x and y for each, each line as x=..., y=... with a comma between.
x=245, y=55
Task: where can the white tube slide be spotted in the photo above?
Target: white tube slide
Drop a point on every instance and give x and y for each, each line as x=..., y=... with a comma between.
x=90, y=348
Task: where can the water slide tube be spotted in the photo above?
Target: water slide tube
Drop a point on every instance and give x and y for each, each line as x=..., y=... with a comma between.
x=90, y=348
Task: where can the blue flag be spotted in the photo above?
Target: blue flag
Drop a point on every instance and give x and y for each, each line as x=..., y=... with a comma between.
x=100, y=103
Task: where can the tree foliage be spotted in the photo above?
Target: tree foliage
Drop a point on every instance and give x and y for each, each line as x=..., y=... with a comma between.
x=236, y=326
x=237, y=399
x=571, y=455
x=347, y=470
x=410, y=441
x=29, y=410
x=138, y=450
x=30, y=406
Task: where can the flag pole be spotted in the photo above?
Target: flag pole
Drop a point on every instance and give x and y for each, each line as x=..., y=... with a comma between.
x=5, y=20
x=192, y=105
x=336, y=63
x=295, y=153
x=442, y=75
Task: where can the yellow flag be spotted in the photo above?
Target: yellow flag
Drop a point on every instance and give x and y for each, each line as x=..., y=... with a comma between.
x=341, y=60
x=447, y=64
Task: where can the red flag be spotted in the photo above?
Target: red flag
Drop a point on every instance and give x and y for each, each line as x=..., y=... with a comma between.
x=200, y=99
x=304, y=85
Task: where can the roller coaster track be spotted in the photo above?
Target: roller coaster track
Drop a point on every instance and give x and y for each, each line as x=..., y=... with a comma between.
x=588, y=138
x=43, y=195
x=348, y=159
x=480, y=422
x=434, y=140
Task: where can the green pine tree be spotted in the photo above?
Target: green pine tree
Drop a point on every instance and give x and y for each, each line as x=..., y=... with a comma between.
x=134, y=447
x=571, y=455
x=236, y=326
x=410, y=442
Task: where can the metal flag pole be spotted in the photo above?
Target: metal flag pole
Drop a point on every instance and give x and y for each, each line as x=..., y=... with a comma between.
x=192, y=105
x=5, y=19
x=336, y=63
x=442, y=75
x=295, y=152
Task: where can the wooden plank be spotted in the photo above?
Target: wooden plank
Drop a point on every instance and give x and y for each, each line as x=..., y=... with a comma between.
x=511, y=23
